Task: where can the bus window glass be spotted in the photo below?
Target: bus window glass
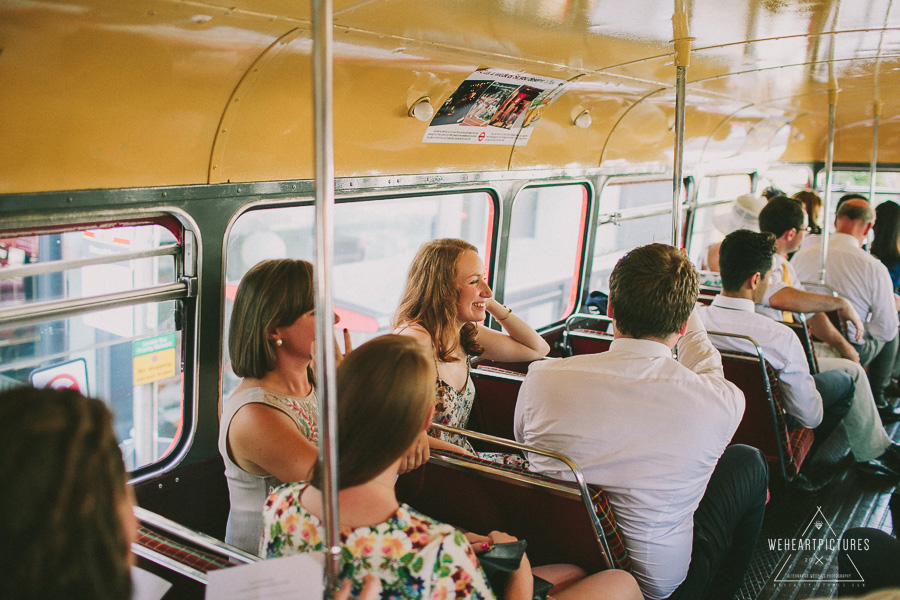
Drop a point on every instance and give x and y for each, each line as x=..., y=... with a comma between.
x=545, y=244
x=128, y=355
x=714, y=198
x=372, y=251
x=887, y=186
x=790, y=179
x=623, y=228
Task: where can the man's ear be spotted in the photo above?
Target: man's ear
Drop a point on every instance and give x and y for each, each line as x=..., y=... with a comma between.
x=609, y=308
x=868, y=228
x=683, y=327
x=753, y=281
x=788, y=236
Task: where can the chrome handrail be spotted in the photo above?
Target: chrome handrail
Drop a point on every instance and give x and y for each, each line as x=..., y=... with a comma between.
x=169, y=563
x=576, y=472
x=195, y=537
x=56, y=266
x=576, y=316
x=59, y=309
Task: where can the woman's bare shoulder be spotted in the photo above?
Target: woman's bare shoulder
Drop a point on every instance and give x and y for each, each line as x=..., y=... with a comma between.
x=415, y=331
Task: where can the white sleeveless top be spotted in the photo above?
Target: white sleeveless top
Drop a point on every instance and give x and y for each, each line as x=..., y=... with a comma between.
x=246, y=491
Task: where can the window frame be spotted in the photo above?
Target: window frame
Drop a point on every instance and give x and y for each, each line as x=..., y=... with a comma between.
x=184, y=290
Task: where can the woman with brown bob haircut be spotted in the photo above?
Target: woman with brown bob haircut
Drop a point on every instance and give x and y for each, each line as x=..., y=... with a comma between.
x=387, y=385
x=269, y=425
x=813, y=205
x=66, y=520
x=445, y=300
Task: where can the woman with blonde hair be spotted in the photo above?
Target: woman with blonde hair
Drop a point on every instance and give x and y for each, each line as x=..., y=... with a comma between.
x=269, y=425
x=445, y=300
x=66, y=519
x=388, y=385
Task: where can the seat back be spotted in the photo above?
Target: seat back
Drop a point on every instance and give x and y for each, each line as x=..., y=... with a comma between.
x=182, y=556
x=803, y=333
x=480, y=496
x=494, y=408
x=765, y=425
x=587, y=334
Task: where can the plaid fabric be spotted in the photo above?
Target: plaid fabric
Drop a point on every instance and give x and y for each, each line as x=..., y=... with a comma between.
x=795, y=442
x=491, y=369
x=599, y=499
x=184, y=554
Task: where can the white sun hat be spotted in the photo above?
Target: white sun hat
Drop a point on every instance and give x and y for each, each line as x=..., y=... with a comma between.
x=744, y=214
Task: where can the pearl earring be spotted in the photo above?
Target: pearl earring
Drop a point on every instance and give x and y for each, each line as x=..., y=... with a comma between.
x=278, y=342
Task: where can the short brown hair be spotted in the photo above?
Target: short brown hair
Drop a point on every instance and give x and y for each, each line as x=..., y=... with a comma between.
x=385, y=390
x=653, y=290
x=274, y=293
x=61, y=534
x=743, y=254
x=431, y=298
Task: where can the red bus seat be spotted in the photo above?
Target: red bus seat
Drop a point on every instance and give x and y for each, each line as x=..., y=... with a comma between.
x=181, y=555
x=802, y=331
x=480, y=496
x=765, y=423
x=587, y=334
x=494, y=408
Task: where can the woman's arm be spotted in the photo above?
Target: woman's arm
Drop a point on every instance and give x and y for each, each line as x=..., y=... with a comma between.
x=520, y=585
x=439, y=444
x=263, y=440
x=520, y=343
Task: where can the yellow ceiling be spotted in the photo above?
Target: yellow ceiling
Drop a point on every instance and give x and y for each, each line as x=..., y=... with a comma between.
x=105, y=93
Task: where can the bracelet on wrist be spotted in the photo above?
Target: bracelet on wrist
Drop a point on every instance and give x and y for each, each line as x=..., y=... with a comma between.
x=508, y=312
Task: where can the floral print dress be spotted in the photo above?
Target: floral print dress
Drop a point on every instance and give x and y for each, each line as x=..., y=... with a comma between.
x=452, y=409
x=413, y=556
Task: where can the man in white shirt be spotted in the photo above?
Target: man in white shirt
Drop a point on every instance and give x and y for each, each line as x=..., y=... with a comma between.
x=818, y=401
x=786, y=219
x=653, y=431
x=866, y=283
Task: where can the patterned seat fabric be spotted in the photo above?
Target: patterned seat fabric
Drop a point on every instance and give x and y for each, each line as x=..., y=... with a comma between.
x=180, y=552
x=795, y=441
x=599, y=499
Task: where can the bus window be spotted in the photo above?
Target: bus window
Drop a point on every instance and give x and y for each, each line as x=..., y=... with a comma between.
x=714, y=198
x=95, y=310
x=790, y=179
x=887, y=186
x=545, y=246
x=632, y=214
x=372, y=251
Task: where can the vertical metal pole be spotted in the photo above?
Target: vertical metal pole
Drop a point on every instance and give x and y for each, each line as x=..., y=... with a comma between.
x=325, y=356
x=677, y=178
x=682, y=41
x=873, y=170
x=829, y=173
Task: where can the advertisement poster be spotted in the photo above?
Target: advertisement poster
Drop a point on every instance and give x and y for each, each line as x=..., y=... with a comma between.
x=493, y=106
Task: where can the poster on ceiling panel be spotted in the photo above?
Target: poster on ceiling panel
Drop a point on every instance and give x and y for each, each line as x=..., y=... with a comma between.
x=493, y=106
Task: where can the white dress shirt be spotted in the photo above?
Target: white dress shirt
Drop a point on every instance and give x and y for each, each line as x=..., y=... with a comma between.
x=857, y=276
x=780, y=346
x=646, y=428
